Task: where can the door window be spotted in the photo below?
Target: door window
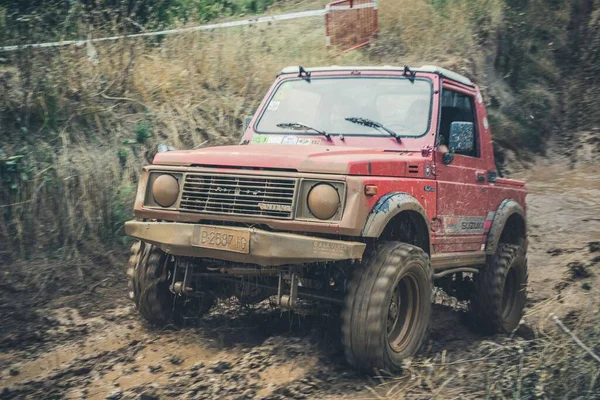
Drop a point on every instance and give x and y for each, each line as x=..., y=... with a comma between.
x=457, y=107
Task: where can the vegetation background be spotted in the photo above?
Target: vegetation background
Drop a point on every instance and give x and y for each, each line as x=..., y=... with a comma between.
x=77, y=123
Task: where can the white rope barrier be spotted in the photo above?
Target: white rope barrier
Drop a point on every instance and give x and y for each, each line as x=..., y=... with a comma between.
x=251, y=21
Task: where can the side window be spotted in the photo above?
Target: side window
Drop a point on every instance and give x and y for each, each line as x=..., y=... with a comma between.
x=457, y=107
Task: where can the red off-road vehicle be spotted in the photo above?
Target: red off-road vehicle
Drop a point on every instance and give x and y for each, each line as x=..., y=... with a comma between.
x=356, y=189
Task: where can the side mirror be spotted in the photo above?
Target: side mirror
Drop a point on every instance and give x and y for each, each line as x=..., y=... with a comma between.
x=462, y=136
x=247, y=120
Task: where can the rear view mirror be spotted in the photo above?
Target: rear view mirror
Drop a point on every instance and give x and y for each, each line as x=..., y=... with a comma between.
x=461, y=137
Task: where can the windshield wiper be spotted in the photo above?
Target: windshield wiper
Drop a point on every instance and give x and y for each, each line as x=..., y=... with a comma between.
x=372, y=124
x=299, y=126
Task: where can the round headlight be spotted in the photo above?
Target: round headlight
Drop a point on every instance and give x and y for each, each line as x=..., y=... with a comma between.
x=323, y=201
x=165, y=190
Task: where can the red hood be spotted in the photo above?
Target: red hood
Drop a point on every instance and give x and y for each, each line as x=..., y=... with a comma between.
x=311, y=159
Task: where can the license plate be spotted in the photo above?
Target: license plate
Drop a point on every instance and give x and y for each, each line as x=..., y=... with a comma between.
x=221, y=239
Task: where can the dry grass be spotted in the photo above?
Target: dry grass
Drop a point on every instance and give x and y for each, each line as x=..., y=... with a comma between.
x=87, y=118
x=422, y=32
x=83, y=116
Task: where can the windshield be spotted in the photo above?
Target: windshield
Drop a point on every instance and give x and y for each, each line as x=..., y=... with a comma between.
x=332, y=105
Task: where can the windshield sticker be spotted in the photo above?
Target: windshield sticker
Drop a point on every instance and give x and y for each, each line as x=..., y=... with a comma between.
x=290, y=140
x=307, y=141
x=304, y=141
x=274, y=106
x=259, y=139
x=275, y=139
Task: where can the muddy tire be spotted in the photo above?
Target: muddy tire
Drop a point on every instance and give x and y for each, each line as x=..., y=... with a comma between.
x=500, y=293
x=149, y=275
x=387, y=308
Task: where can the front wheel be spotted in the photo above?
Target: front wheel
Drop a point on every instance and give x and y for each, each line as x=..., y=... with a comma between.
x=149, y=273
x=387, y=308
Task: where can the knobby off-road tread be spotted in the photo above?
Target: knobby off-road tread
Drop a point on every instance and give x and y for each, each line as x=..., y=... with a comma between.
x=149, y=289
x=351, y=302
x=361, y=276
x=134, y=259
x=486, y=304
x=364, y=334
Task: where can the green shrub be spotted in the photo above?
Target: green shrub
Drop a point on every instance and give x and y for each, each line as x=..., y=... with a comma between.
x=143, y=131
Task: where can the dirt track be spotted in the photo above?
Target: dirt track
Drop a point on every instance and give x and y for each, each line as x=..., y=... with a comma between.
x=69, y=332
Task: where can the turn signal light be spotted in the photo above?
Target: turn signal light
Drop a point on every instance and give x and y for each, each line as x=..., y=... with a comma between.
x=370, y=190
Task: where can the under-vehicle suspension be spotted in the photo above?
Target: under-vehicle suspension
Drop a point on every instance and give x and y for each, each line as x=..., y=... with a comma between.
x=286, y=284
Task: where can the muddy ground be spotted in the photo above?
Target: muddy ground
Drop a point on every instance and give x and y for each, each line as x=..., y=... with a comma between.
x=68, y=331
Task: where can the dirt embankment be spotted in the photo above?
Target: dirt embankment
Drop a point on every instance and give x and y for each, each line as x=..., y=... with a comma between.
x=68, y=331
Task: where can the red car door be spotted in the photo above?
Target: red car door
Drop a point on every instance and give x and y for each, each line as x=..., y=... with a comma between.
x=462, y=198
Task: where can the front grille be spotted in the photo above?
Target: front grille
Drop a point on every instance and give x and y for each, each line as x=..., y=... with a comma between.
x=239, y=195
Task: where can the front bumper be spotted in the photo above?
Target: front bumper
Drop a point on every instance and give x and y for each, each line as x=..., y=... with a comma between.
x=265, y=248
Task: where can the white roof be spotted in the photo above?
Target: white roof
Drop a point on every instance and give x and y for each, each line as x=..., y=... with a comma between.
x=425, y=68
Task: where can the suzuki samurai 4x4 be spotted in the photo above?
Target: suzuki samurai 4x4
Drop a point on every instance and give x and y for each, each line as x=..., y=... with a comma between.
x=355, y=188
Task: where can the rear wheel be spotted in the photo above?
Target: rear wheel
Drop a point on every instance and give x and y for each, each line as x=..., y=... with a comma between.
x=500, y=291
x=387, y=307
x=149, y=271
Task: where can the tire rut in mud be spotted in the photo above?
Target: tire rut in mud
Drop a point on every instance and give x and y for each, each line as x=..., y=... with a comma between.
x=232, y=353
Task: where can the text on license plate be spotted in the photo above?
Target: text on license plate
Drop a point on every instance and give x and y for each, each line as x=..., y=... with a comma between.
x=221, y=239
